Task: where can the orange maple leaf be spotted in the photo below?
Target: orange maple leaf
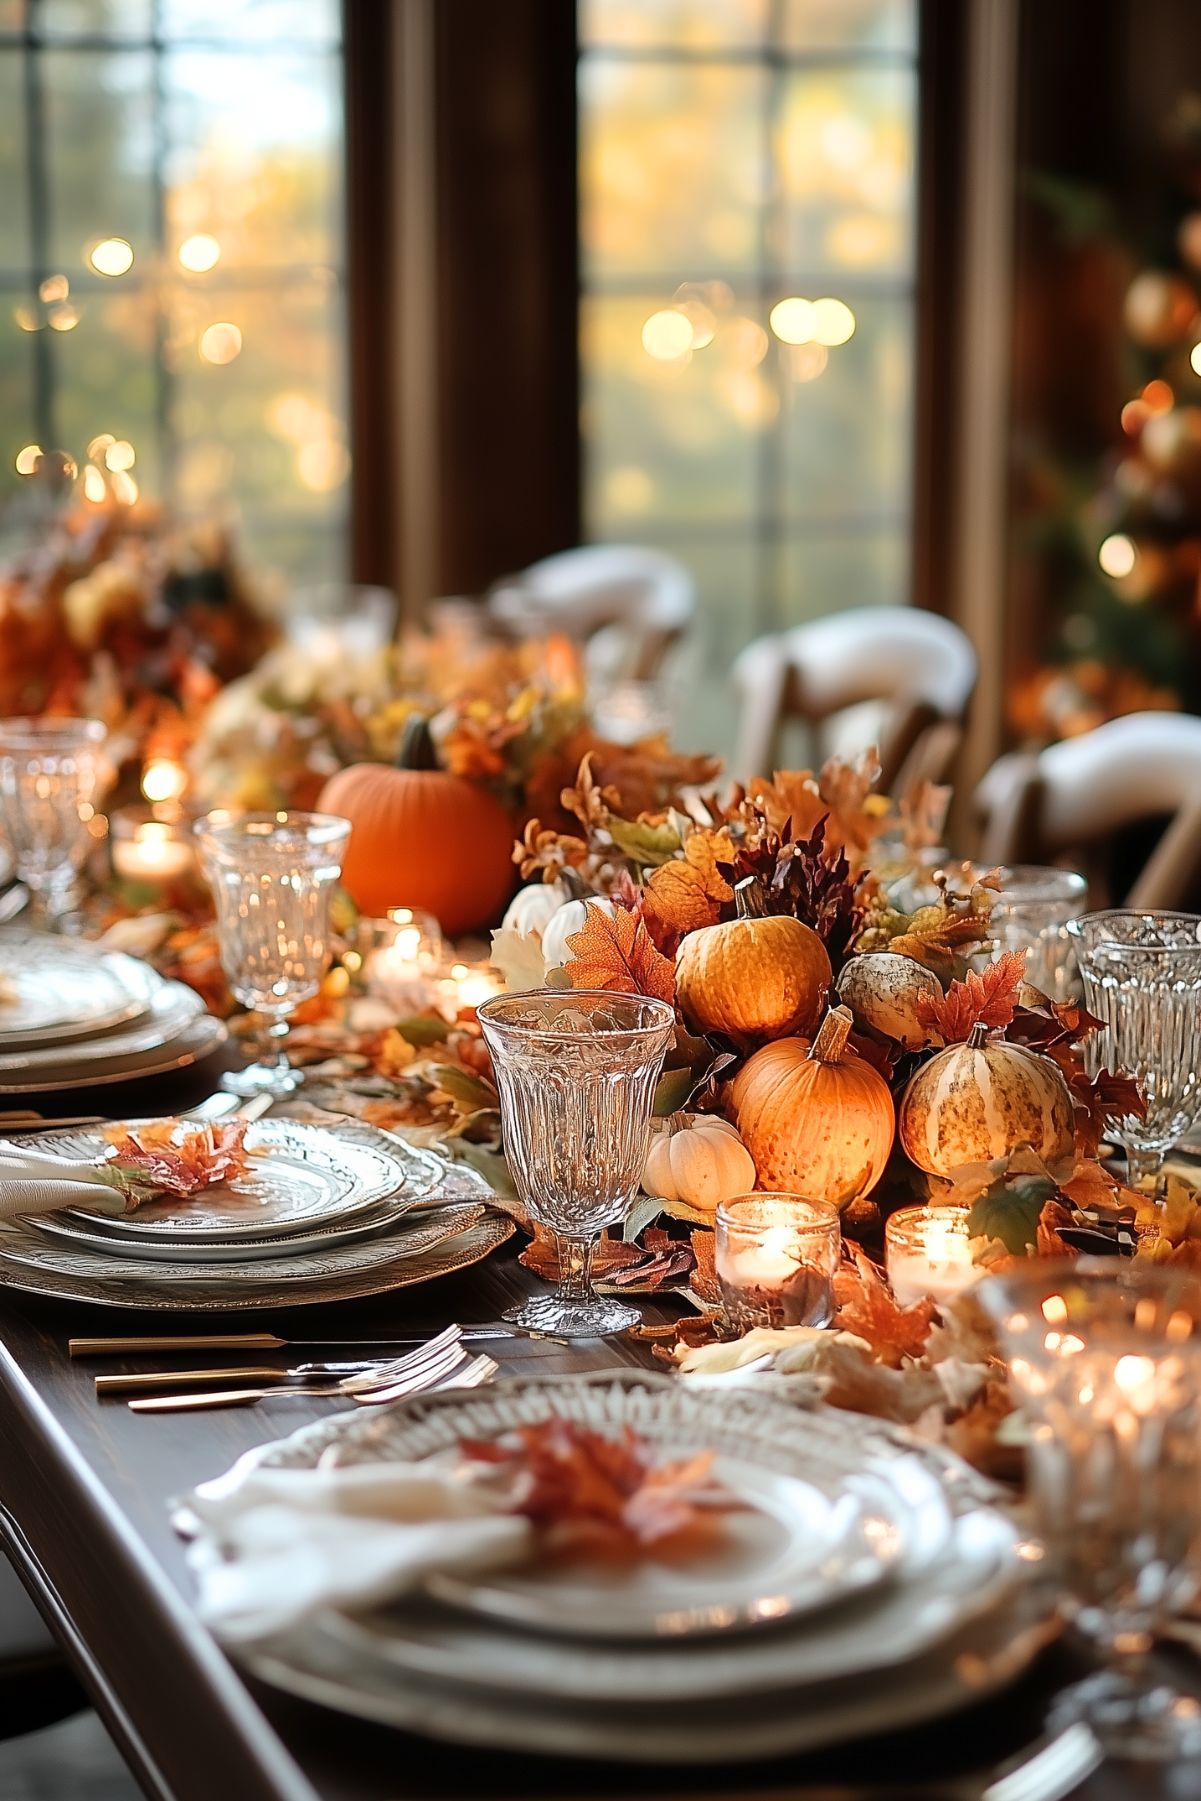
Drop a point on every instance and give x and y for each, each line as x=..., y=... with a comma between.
x=619, y=954
x=690, y=891
x=987, y=999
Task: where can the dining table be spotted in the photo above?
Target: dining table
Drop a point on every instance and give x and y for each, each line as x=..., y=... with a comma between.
x=85, y=1493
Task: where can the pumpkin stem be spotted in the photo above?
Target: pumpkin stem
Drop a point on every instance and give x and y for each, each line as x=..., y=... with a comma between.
x=748, y=898
x=832, y=1035
x=676, y=1122
x=417, y=745
x=977, y=1038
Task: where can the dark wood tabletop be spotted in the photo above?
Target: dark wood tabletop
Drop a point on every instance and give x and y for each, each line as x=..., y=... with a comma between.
x=84, y=1492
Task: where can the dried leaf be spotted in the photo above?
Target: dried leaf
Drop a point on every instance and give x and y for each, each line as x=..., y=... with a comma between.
x=1051, y=1221
x=985, y=998
x=166, y=1158
x=704, y=1278
x=924, y=815
x=690, y=891
x=1009, y=1210
x=1100, y=1100
x=618, y=953
x=866, y=1308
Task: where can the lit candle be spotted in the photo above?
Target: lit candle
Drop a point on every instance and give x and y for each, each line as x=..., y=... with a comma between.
x=928, y=1253
x=775, y=1257
x=468, y=985
x=401, y=956
x=164, y=781
x=773, y=1260
x=152, y=854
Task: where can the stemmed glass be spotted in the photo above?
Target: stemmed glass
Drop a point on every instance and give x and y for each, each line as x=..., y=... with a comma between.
x=272, y=876
x=1031, y=913
x=1142, y=978
x=576, y=1072
x=1105, y=1361
x=51, y=771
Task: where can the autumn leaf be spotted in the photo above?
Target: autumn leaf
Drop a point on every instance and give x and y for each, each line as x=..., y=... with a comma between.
x=924, y=815
x=866, y=1308
x=690, y=891
x=986, y=998
x=1009, y=1211
x=618, y=953
x=1100, y=1100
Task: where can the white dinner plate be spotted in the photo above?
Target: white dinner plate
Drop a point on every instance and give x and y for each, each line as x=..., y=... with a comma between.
x=54, y=989
x=199, y=1037
x=170, y=1006
x=381, y=1218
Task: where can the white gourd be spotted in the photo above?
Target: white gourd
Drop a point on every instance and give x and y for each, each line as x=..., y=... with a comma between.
x=698, y=1159
x=533, y=907
x=882, y=989
x=570, y=918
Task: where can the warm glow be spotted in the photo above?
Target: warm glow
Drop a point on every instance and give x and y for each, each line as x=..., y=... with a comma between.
x=221, y=343
x=1132, y=1373
x=26, y=318
x=792, y=320
x=94, y=486
x=163, y=780
x=1194, y=357
x=199, y=252
x=27, y=459
x=120, y=454
x=124, y=487
x=55, y=287
x=111, y=256
x=63, y=317
x=1117, y=555
x=833, y=321
x=1158, y=396
x=1135, y=415
x=667, y=335
x=807, y=361
x=323, y=465
x=1055, y=1310
x=100, y=444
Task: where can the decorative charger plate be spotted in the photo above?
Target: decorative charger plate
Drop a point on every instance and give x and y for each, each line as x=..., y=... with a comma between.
x=341, y=1280
x=299, y=1175
x=200, y=1037
x=53, y=989
x=170, y=1006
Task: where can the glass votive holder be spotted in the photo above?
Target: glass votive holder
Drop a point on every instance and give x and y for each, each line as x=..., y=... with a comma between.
x=928, y=1253
x=149, y=850
x=1031, y=914
x=776, y=1257
x=464, y=986
x=400, y=956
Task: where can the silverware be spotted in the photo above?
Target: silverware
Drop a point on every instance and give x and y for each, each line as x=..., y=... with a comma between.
x=301, y=1372
x=23, y=1124
x=23, y=1121
x=452, y=1369
x=268, y=1341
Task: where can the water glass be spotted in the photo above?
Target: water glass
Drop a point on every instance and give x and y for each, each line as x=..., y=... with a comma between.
x=1105, y=1361
x=272, y=876
x=51, y=772
x=1142, y=979
x=576, y=1071
x=1031, y=914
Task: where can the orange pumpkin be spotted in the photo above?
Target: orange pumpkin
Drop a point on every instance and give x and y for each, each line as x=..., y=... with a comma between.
x=816, y=1119
x=979, y=1101
x=423, y=838
x=754, y=976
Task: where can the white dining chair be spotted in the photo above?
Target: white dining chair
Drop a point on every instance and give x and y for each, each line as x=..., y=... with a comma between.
x=916, y=669
x=627, y=604
x=1072, y=797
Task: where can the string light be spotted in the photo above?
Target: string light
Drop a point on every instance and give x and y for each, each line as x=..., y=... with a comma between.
x=667, y=335
x=1117, y=555
x=111, y=256
x=199, y=253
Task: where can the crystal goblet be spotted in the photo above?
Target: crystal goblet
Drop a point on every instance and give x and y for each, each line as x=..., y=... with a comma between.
x=576, y=1071
x=272, y=876
x=1031, y=914
x=1105, y=1360
x=51, y=772
x=1142, y=978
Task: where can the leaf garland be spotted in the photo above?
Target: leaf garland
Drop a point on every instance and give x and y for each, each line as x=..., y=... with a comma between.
x=868, y=1309
x=987, y=997
x=619, y=954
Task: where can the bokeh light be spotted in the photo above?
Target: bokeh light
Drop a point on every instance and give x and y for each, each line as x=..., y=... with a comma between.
x=119, y=455
x=95, y=488
x=26, y=318
x=163, y=779
x=667, y=335
x=200, y=252
x=111, y=256
x=55, y=287
x=323, y=464
x=807, y=361
x=63, y=317
x=1117, y=555
x=833, y=321
x=27, y=459
x=1194, y=357
x=793, y=320
x=220, y=343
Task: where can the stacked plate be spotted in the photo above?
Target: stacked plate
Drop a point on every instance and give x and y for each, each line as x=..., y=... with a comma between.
x=74, y=1016
x=322, y=1214
x=864, y=1584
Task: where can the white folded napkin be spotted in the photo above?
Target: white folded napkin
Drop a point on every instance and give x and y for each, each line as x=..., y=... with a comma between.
x=33, y=1181
x=278, y=1544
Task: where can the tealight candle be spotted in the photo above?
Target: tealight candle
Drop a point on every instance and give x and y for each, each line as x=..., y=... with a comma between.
x=400, y=957
x=928, y=1253
x=468, y=985
x=776, y=1255
x=148, y=850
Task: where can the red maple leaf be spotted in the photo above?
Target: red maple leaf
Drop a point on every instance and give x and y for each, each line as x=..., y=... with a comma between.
x=988, y=998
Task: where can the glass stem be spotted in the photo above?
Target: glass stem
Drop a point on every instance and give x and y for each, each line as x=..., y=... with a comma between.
x=1141, y=1165
x=275, y=1052
x=575, y=1266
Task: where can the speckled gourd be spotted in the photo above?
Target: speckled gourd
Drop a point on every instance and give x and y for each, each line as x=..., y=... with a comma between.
x=882, y=989
x=983, y=1100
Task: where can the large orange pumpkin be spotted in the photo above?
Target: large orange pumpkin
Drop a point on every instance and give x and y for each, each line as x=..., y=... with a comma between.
x=754, y=976
x=423, y=838
x=816, y=1119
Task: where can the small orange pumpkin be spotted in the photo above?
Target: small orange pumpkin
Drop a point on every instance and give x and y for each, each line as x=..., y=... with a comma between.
x=754, y=976
x=816, y=1119
x=982, y=1100
x=423, y=838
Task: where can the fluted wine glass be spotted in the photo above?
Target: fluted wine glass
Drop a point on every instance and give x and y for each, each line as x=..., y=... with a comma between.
x=1142, y=978
x=576, y=1071
x=1105, y=1362
x=272, y=876
x=1031, y=914
x=51, y=775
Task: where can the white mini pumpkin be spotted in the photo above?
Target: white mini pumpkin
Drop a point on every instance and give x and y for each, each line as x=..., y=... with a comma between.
x=698, y=1159
x=882, y=988
x=533, y=907
x=572, y=917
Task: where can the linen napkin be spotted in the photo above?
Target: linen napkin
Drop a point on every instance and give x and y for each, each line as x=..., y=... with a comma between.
x=279, y=1544
x=33, y=1181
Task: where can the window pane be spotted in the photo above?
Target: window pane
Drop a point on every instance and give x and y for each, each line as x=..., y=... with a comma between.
x=845, y=429
x=95, y=18
x=254, y=155
x=829, y=574
x=16, y=413
x=859, y=24
x=99, y=151
x=278, y=22
x=14, y=216
x=666, y=440
x=692, y=24
x=844, y=149
x=672, y=167
x=104, y=378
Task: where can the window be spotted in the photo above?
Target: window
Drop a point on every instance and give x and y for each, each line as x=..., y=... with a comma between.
x=171, y=258
x=747, y=256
